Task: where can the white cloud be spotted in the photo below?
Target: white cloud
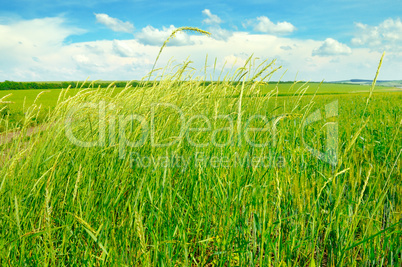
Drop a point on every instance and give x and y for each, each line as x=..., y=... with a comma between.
x=211, y=18
x=122, y=49
x=28, y=44
x=35, y=33
x=81, y=59
x=286, y=47
x=216, y=31
x=387, y=36
x=297, y=61
x=35, y=50
x=265, y=25
x=234, y=61
x=331, y=47
x=220, y=34
x=114, y=24
x=152, y=36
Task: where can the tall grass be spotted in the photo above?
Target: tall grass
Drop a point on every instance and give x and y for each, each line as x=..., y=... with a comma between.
x=116, y=204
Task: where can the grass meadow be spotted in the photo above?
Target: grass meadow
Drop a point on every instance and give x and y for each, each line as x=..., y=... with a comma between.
x=15, y=103
x=239, y=172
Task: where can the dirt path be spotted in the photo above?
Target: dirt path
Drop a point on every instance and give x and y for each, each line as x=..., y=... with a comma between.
x=9, y=137
x=6, y=138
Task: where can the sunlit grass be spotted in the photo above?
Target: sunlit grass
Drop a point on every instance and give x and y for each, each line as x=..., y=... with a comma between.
x=121, y=205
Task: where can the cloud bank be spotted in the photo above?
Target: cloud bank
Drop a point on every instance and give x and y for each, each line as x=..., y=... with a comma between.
x=387, y=36
x=114, y=24
x=37, y=50
x=265, y=25
x=211, y=18
x=331, y=47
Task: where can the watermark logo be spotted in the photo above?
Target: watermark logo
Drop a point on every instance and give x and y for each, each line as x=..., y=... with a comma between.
x=204, y=160
x=330, y=155
x=111, y=130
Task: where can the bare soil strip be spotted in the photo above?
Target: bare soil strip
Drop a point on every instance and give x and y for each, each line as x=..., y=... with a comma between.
x=6, y=138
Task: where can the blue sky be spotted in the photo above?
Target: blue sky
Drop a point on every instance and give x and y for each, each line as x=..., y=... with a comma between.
x=119, y=40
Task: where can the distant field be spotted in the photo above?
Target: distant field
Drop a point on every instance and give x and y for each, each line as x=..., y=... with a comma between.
x=393, y=83
x=20, y=100
x=49, y=98
x=290, y=88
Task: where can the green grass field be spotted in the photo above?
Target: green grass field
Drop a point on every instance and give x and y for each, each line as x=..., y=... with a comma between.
x=18, y=101
x=50, y=96
x=182, y=174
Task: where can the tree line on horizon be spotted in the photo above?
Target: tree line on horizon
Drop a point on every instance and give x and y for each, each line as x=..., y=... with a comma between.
x=11, y=85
